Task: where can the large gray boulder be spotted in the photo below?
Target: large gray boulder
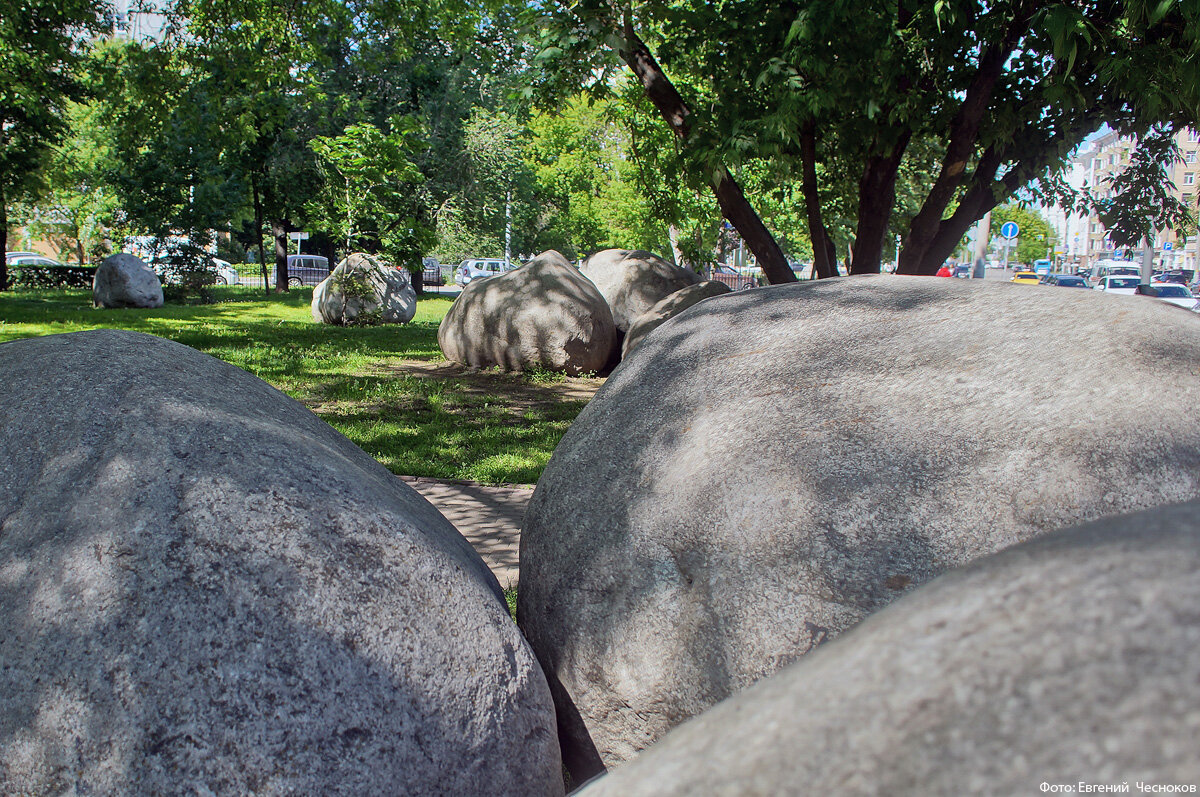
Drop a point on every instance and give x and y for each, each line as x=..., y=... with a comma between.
x=632, y=281
x=124, y=280
x=667, y=309
x=205, y=589
x=361, y=291
x=544, y=314
x=1068, y=659
x=773, y=465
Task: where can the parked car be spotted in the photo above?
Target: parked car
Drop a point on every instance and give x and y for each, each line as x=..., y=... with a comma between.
x=431, y=271
x=478, y=268
x=729, y=275
x=304, y=270
x=963, y=271
x=28, y=259
x=1026, y=278
x=1118, y=284
x=1169, y=292
x=223, y=272
x=226, y=273
x=1065, y=281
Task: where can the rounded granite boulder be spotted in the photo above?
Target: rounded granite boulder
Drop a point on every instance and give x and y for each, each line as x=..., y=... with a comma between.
x=668, y=308
x=772, y=466
x=205, y=589
x=362, y=291
x=124, y=280
x=632, y=281
x=1065, y=660
x=544, y=314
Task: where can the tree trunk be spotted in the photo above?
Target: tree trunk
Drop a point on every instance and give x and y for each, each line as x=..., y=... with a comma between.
x=971, y=208
x=279, y=231
x=676, y=252
x=964, y=133
x=258, y=230
x=741, y=215
x=824, y=252
x=876, y=197
x=3, y=240
x=732, y=201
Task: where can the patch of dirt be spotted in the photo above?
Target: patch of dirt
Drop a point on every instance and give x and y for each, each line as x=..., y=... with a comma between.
x=523, y=391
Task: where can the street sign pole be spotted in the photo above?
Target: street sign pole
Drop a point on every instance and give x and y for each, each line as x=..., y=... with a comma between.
x=1008, y=230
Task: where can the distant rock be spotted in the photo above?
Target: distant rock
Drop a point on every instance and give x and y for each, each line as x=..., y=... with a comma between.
x=361, y=290
x=667, y=309
x=1066, y=659
x=204, y=588
x=544, y=314
x=124, y=280
x=772, y=466
x=633, y=281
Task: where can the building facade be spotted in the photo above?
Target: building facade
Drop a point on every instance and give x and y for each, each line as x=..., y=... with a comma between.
x=1083, y=239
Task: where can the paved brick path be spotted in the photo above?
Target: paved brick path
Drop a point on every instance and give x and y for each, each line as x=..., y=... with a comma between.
x=489, y=517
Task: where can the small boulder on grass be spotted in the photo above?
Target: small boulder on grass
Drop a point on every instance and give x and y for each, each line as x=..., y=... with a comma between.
x=362, y=291
x=124, y=280
x=543, y=315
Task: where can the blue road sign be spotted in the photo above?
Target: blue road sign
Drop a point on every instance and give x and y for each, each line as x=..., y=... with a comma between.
x=1009, y=229
x=1168, y=246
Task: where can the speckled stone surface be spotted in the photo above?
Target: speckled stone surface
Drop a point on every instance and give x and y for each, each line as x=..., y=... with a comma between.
x=123, y=280
x=1069, y=659
x=633, y=281
x=387, y=294
x=544, y=314
x=206, y=589
x=668, y=308
x=769, y=467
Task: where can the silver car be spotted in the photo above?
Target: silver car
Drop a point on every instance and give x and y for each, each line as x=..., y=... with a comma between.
x=476, y=268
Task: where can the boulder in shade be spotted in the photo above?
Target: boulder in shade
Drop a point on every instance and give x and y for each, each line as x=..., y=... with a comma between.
x=632, y=281
x=1067, y=659
x=667, y=309
x=772, y=466
x=361, y=290
x=204, y=588
x=544, y=314
x=124, y=280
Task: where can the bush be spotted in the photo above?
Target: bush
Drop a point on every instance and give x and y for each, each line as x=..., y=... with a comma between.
x=44, y=277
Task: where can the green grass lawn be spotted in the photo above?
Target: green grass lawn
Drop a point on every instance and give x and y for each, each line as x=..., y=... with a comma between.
x=387, y=388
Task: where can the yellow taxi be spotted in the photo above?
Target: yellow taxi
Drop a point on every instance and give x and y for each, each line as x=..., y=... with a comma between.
x=1026, y=278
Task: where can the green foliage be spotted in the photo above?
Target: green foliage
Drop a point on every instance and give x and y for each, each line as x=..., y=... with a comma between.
x=955, y=105
x=79, y=212
x=1036, y=237
x=372, y=194
x=41, y=44
x=1140, y=198
x=48, y=277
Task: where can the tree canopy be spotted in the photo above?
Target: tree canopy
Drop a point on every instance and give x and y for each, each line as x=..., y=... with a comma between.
x=41, y=45
x=985, y=96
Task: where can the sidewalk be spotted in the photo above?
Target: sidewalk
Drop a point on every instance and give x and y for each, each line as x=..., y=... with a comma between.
x=489, y=517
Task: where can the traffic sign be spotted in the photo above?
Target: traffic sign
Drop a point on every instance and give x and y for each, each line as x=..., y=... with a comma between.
x=1168, y=246
x=1009, y=229
x=298, y=236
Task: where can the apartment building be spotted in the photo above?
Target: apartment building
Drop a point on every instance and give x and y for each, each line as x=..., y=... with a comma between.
x=1083, y=239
